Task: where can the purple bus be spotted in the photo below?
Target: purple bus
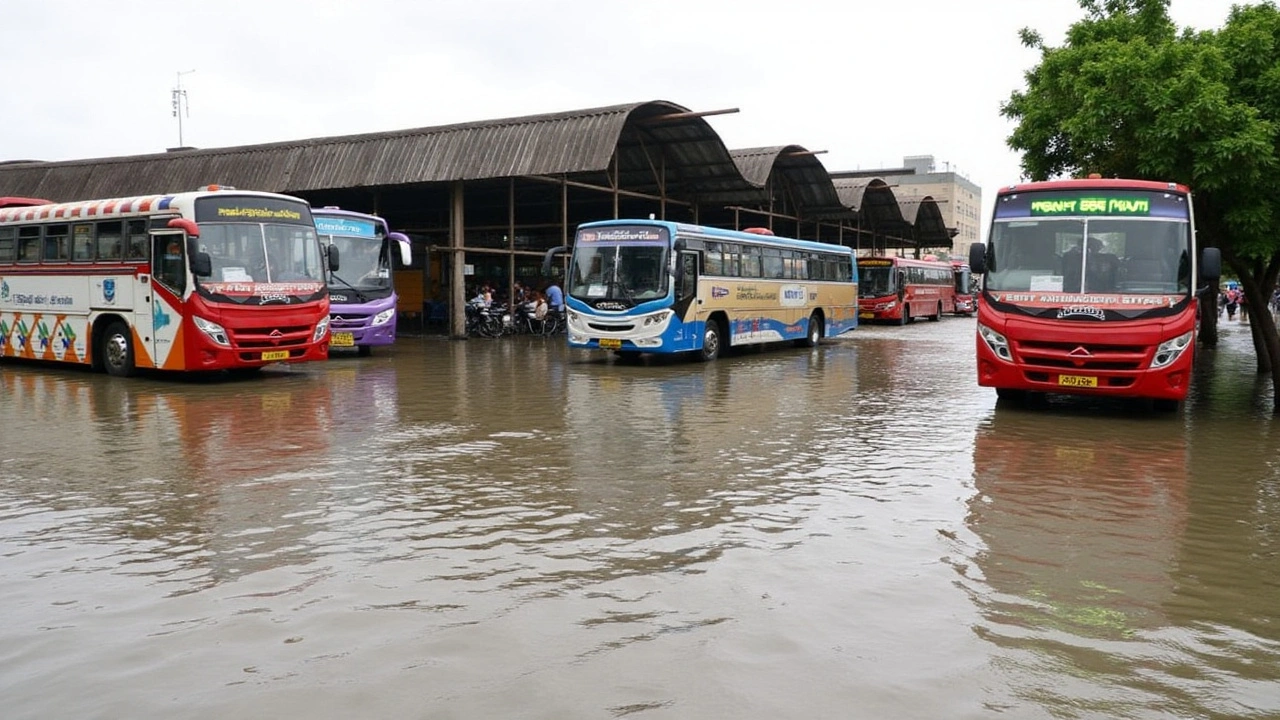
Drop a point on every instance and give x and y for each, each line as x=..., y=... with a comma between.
x=362, y=297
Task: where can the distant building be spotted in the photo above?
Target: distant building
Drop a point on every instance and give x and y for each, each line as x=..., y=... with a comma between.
x=958, y=198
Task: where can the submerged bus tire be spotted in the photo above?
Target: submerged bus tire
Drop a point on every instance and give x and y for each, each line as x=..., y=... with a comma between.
x=1010, y=395
x=905, y=317
x=936, y=316
x=117, y=350
x=364, y=350
x=814, y=334
x=1164, y=405
x=712, y=336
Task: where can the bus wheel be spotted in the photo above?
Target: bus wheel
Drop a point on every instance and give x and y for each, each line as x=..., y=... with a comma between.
x=938, y=315
x=1164, y=405
x=364, y=350
x=814, y=336
x=711, y=337
x=1009, y=395
x=117, y=350
x=906, y=315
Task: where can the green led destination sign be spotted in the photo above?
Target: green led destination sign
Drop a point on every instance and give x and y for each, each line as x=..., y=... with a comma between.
x=1097, y=205
x=1093, y=202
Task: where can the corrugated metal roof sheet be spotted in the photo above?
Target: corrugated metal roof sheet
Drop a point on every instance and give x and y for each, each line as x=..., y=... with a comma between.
x=661, y=149
x=925, y=217
x=550, y=144
x=798, y=169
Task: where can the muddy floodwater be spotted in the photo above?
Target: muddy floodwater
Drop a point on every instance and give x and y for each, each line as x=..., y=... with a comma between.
x=504, y=528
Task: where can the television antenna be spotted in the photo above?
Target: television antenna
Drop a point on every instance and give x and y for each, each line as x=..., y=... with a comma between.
x=180, y=104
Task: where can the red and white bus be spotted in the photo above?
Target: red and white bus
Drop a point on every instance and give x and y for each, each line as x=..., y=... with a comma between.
x=1089, y=287
x=966, y=305
x=216, y=279
x=899, y=289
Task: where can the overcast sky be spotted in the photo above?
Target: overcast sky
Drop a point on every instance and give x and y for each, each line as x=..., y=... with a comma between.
x=866, y=82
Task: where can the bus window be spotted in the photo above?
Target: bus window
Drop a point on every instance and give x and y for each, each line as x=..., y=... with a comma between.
x=8, y=245
x=56, y=242
x=109, y=240
x=82, y=242
x=168, y=261
x=137, y=246
x=29, y=244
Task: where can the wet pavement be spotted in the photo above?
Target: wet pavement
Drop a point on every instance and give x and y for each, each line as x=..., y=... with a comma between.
x=507, y=528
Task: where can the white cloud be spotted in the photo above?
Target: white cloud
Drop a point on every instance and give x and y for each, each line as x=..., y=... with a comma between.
x=869, y=83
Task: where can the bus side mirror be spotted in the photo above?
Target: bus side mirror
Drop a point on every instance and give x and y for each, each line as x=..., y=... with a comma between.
x=549, y=258
x=331, y=251
x=201, y=264
x=1210, y=264
x=402, y=241
x=186, y=225
x=978, y=258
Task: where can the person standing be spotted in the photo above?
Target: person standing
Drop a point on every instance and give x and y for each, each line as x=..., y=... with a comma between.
x=555, y=297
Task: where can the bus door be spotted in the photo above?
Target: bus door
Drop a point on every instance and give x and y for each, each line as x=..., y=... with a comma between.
x=687, y=306
x=157, y=320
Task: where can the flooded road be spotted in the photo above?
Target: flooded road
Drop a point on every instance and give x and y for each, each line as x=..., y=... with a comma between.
x=506, y=528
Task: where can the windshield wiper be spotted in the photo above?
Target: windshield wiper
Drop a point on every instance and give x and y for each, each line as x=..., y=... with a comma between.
x=359, y=295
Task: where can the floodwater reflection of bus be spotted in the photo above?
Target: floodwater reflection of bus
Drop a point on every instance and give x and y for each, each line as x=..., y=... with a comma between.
x=653, y=444
x=212, y=463
x=1080, y=526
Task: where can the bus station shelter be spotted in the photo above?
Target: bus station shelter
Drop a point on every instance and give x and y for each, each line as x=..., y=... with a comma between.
x=483, y=201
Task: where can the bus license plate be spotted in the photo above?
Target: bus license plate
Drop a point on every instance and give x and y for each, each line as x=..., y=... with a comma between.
x=342, y=339
x=275, y=355
x=611, y=344
x=866, y=315
x=1077, y=381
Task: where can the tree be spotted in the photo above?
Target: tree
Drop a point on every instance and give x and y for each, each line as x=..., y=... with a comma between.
x=1129, y=95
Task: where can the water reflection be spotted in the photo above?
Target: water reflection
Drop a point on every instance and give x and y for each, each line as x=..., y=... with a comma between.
x=218, y=478
x=1088, y=529
x=480, y=528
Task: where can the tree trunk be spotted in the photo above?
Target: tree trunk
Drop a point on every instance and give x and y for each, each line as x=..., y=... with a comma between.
x=1257, y=280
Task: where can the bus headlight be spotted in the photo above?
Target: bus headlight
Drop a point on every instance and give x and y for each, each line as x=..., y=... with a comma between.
x=216, y=332
x=321, y=328
x=998, y=343
x=1170, y=350
x=657, y=318
x=384, y=316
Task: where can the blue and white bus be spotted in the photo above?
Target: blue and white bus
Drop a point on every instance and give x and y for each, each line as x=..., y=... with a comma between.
x=652, y=286
x=362, y=297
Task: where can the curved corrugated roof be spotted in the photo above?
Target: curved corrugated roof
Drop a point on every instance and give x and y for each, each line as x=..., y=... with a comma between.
x=924, y=215
x=549, y=144
x=873, y=200
x=799, y=169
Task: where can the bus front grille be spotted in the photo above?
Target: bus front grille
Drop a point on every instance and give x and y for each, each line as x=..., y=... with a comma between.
x=1082, y=356
x=268, y=338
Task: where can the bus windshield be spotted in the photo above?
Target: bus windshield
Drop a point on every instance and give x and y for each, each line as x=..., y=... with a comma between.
x=1090, y=255
x=261, y=252
x=619, y=272
x=875, y=281
x=364, y=265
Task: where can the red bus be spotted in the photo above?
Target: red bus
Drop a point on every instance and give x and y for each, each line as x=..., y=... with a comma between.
x=899, y=289
x=966, y=304
x=1089, y=287
x=210, y=280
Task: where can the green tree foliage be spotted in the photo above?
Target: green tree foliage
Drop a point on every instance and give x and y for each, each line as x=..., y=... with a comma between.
x=1129, y=95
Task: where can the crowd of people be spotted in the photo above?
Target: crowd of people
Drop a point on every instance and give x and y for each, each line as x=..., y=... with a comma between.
x=548, y=297
x=1232, y=301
